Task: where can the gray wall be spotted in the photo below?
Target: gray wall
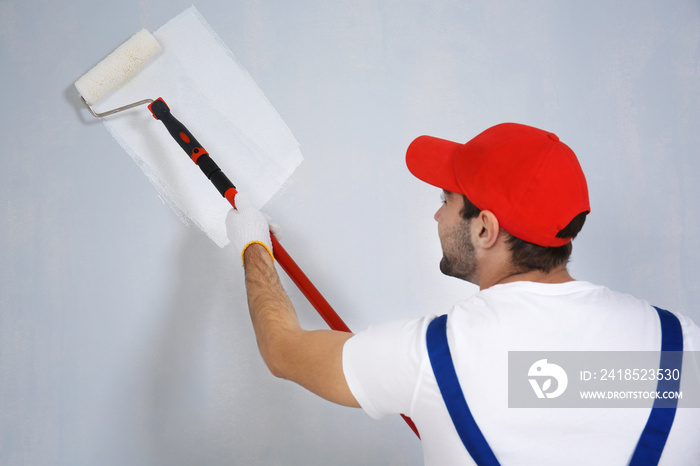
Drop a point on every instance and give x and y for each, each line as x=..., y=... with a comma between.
x=124, y=335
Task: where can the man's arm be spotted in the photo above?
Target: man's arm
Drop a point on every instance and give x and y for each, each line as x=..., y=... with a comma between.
x=313, y=359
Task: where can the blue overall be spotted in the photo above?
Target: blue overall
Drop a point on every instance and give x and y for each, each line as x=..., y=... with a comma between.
x=655, y=433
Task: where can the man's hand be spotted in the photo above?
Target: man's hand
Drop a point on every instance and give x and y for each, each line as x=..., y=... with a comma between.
x=246, y=225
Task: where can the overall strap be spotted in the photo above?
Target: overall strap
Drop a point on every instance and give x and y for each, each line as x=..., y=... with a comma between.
x=443, y=368
x=653, y=439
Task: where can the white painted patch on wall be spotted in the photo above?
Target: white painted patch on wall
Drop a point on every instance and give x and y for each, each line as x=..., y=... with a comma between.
x=215, y=97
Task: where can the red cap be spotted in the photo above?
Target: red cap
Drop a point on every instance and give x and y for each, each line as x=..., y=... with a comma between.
x=529, y=179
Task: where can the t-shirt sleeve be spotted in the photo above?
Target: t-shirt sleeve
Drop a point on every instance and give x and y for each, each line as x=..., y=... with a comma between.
x=382, y=366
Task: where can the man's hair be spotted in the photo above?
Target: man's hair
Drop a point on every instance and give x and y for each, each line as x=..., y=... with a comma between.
x=528, y=256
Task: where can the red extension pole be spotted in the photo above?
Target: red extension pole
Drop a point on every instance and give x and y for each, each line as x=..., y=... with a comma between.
x=201, y=158
x=324, y=309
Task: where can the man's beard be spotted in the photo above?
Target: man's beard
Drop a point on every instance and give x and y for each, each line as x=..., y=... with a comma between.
x=459, y=257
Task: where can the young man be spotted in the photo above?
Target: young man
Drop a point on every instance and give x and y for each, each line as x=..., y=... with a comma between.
x=514, y=198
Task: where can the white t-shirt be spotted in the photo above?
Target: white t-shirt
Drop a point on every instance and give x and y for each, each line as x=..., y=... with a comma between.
x=388, y=371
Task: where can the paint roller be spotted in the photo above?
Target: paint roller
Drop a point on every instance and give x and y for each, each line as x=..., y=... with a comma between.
x=114, y=71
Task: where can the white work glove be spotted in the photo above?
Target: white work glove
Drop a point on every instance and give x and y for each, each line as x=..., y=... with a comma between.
x=246, y=225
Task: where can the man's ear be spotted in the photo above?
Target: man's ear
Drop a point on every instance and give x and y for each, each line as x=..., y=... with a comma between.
x=487, y=228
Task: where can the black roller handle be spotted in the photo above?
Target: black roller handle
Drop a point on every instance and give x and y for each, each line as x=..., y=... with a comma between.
x=193, y=148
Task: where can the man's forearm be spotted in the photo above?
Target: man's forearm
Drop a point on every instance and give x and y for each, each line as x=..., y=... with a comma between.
x=271, y=311
x=313, y=359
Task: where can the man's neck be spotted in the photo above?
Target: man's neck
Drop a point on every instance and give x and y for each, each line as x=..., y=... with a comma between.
x=558, y=275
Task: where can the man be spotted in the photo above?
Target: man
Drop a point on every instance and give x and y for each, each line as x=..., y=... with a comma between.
x=514, y=198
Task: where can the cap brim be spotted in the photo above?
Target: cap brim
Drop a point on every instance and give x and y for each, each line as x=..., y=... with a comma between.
x=432, y=160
